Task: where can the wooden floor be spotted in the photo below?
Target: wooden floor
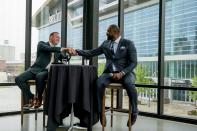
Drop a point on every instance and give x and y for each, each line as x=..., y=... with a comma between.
x=12, y=123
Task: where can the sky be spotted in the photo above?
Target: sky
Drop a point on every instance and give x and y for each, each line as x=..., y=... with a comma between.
x=12, y=24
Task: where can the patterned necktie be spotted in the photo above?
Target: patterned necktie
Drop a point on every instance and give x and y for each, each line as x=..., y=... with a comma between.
x=112, y=48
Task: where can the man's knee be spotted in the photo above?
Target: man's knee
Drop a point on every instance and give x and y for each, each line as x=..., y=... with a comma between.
x=129, y=85
x=101, y=84
x=102, y=81
x=41, y=77
x=18, y=79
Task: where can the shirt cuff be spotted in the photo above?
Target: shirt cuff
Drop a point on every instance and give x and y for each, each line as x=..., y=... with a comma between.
x=123, y=72
x=61, y=49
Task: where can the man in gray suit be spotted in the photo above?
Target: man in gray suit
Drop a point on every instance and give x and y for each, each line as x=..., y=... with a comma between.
x=121, y=59
x=47, y=53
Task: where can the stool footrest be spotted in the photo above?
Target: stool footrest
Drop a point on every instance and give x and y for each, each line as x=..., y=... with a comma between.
x=112, y=86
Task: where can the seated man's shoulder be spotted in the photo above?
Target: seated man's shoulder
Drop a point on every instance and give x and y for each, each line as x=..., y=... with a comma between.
x=106, y=42
x=41, y=42
x=128, y=41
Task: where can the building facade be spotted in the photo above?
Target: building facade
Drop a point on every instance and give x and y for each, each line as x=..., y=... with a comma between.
x=7, y=51
x=141, y=25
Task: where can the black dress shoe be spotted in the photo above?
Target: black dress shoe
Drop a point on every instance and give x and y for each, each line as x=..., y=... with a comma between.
x=105, y=121
x=133, y=119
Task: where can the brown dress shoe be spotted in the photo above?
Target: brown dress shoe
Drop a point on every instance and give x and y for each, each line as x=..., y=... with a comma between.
x=38, y=103
x=32, y=102
x=133, y=119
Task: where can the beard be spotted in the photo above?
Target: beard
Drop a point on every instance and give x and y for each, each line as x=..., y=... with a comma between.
x=109, y=37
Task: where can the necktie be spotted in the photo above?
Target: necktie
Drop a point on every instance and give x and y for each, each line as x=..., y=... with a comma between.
x=112, y=48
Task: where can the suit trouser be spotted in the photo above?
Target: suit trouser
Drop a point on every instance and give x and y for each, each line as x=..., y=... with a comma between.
x=40, y=78
x=128, y=83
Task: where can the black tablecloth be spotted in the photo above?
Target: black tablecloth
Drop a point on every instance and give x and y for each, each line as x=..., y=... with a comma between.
x=69, y=84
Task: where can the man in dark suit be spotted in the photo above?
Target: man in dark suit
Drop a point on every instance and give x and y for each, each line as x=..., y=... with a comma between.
x=121, y=59
x=47, y=53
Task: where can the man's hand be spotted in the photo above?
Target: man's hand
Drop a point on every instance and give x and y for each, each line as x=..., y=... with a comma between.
x=71, y=51
x=117, y=76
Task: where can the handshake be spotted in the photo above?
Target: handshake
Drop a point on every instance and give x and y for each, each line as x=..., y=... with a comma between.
x=70, y=51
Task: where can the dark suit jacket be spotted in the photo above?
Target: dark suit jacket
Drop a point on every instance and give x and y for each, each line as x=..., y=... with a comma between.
x=125, y=58
x=44, y=51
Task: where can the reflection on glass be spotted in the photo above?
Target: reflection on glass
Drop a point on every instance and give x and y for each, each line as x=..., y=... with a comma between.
x=75, y=27
x=182, y=104
x=46, y=18
x=12, y=50
x=108, y=14
x=10, y=99
x=141, y=26
x=147, y=99
x=12, y=39
x=181, y=56
x=181, y=40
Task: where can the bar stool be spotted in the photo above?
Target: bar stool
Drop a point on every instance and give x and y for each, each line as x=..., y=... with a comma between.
x=32, y=82
x=113, y=86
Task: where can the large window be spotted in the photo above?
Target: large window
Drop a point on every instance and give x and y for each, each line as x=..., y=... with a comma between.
x=181, y=57
x=12, y=48
x=75, y=28
x=108, y=14
x=46, y=18
x=141, y=25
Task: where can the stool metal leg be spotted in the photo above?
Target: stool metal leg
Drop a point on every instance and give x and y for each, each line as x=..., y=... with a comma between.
x=43, y=107
x=36, y=114
x=129, y=116
x=36, y=110
x=71, y=119
x=103, y=111
x=43, y=119
x=112, y=105
x=22, y=110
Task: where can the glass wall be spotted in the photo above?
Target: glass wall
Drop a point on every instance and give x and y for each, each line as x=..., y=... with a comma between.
x=75, y=27
x=181, y=57
x=12, y=48
x=141, y=25
x=46, y=18
x=181, y=103
x=147, y=99
x=108, y=14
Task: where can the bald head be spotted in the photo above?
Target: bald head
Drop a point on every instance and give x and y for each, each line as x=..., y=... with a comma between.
x=113, y=32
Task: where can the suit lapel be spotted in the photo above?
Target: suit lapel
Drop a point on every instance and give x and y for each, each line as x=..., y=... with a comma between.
x=48, y=44
x=109, y=44
x=118, y=48
x=49, y=53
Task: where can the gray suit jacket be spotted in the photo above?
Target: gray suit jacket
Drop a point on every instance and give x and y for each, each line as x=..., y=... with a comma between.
x=125, y=58
x=44, y=51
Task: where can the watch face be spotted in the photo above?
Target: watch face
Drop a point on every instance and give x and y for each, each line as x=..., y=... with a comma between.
x=66, y=57
x=64, y=53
